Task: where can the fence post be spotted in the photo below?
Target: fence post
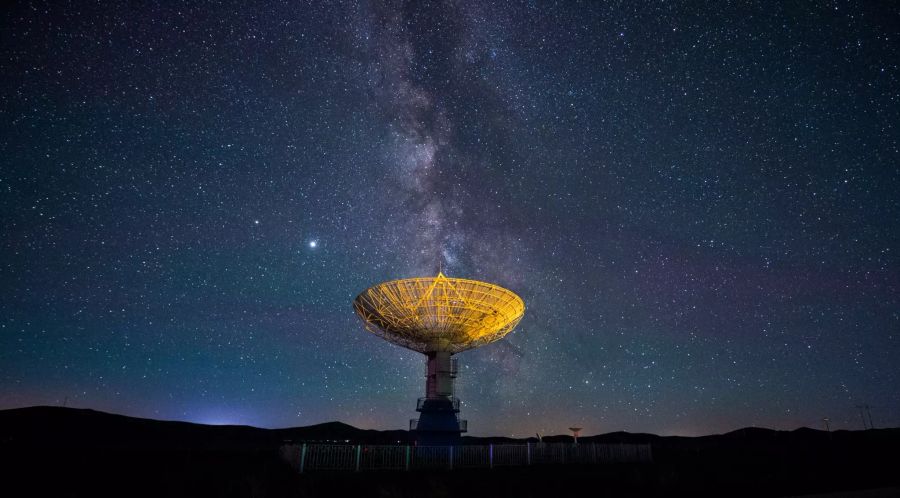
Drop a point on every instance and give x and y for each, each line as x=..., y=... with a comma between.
x=302, y=457
x=358, y=447
x=528, y=453
x=407, y=457
x=491, y=456
x=451, y=457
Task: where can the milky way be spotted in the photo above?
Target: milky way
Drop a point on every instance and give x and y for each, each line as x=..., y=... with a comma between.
x=423, y=70
x=697, y=205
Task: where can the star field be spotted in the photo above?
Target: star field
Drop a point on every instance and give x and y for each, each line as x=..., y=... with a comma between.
x=698, y=206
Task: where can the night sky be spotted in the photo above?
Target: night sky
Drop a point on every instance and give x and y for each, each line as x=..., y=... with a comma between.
x=699, y=207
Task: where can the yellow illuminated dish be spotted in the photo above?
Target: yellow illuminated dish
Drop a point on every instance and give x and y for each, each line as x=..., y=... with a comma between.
x=439, y=313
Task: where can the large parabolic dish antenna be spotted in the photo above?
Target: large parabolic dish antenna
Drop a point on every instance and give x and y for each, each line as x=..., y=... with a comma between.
x=439, y=317
x=439, y=313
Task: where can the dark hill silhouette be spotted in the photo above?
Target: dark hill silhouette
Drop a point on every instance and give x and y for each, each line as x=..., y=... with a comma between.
x=77, y=452
x=54, y=425
x=50, y=425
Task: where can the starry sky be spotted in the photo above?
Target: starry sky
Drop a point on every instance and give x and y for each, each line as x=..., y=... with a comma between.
x=698, y=205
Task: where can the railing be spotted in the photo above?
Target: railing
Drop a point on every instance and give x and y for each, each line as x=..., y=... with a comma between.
x=441, y=402
x=324, y=457
x=463, y=424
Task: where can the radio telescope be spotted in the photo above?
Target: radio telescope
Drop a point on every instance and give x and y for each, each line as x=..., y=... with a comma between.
x=439, y=317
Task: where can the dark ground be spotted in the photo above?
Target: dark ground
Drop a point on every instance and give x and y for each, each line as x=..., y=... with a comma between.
x=64, y=452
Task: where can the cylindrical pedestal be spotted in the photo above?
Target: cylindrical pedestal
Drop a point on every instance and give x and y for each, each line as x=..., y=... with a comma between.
x=438, y=422
x=439, y=380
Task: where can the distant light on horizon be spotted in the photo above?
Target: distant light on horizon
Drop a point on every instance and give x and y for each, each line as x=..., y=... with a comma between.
x=220, y=419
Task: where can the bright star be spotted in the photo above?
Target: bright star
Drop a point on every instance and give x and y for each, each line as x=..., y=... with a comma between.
x=313, y=244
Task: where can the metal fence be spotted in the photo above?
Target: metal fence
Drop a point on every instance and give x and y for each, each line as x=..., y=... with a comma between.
x=348, y=457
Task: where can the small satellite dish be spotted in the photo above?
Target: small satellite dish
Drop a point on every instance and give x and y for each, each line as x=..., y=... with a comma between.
x=575, y=431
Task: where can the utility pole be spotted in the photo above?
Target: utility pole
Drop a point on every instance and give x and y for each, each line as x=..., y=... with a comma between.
x=827, y=425
x=871, y=425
